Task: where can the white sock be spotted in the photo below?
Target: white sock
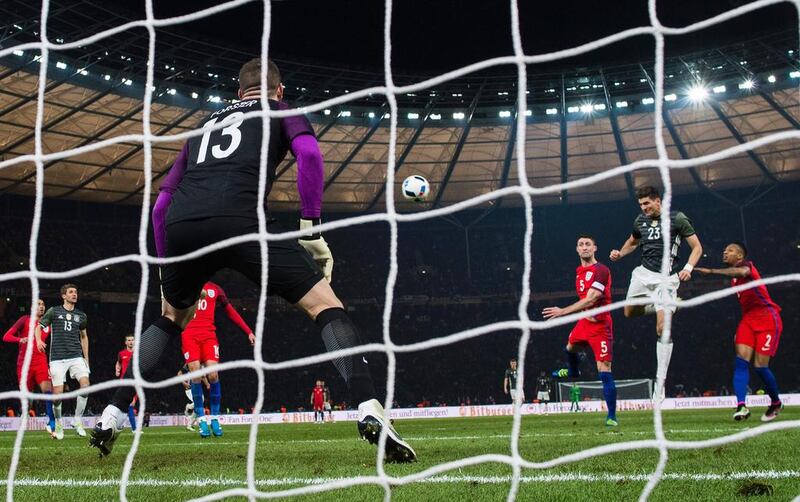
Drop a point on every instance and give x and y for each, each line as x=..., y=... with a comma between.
x=663, y=355
x=80, y=407
x=111, y=417
x=57, y=410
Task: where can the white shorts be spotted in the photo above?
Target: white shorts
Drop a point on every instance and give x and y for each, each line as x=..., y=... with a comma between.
x=648, y=283
x=77, y=368
x=513, y=393
x=326, y=406
x=543, y=396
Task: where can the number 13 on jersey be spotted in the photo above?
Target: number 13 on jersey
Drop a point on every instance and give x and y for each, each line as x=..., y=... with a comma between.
x=233, y=122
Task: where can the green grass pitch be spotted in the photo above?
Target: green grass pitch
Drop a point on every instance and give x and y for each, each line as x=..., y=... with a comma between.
x=173, y=464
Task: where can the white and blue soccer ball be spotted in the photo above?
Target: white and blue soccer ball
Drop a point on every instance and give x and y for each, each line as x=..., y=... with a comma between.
x=416, y=188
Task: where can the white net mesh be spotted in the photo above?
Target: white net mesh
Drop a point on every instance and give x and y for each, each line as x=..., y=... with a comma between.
x=663, y=163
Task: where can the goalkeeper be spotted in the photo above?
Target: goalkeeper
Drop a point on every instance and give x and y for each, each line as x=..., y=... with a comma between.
x=210, y=195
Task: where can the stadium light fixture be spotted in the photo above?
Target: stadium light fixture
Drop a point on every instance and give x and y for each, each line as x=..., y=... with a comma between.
x=621, y=104
x=648, y=101
x=504, y=114
x=214, y=99
x=171, y=92
x=771, y=79
x=573, y=109
x=436, y=116
x=586, y=108
x=459, y=115
x=371, y=115
x=551, y=111
x=794, y=74
x=413, y=116
x=83, y=71
x=326, y=112
x=670, y=97
x=127, y=81
x=345, y=113
x=697, y=93
x=747, y=84
x=719, y=89
x=19, y=53
x=599, y=107
x=528, y=113
x=195, y=95
x=387, y=115
x=106, y=77
x=61, y=65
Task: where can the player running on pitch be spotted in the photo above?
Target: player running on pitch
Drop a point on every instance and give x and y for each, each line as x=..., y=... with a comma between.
x=758, y=333
x=123, y=359
x=214, y=182
x=593, y=285
x=38, y=371
x=646, y=278
x=69, y=352
x=200, y=345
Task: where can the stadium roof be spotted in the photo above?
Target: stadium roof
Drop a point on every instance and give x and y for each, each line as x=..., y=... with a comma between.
x=459, y=134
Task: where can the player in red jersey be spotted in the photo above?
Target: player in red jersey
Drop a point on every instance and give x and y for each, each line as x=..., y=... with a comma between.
x=593, y=285
x=38, y=371
x=200, y=346
x=123, y=359
x=318, y=402
x=758, y=333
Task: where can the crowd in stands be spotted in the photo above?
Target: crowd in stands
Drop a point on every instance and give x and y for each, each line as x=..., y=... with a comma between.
x=454, y=274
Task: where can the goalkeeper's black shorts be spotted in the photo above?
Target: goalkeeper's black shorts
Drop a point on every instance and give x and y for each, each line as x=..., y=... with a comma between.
x=292, y=272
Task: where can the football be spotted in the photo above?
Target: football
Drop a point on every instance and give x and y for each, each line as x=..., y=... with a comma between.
x=416, y=188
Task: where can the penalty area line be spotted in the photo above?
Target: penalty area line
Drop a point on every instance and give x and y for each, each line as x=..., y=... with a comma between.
x=537, y=478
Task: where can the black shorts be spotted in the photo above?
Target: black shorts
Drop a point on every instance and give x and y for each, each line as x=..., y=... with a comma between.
x=292, y=271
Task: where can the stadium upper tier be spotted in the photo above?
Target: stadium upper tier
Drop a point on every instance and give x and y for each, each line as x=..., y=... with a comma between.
x=459, y=134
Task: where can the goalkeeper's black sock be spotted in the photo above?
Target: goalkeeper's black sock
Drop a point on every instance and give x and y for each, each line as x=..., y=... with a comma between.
x=338, y=332
x=151, y=347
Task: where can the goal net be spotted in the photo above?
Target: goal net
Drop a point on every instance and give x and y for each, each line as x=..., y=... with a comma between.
x=526, y=326
x=626, y=389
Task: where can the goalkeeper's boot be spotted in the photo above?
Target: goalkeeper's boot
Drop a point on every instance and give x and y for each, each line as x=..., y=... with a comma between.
x=611, y=422
x=103, y=438
x=772, y=412
x=59, y=432
x=79, y=430
x=371, y=421
x=216, y=428
x=204, y=430
x=741, y=413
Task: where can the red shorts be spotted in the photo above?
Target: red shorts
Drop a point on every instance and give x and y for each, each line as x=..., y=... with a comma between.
x=597, y=334
x=37, y=373
x=761, y=331
x=200, y=347
x=317, y=406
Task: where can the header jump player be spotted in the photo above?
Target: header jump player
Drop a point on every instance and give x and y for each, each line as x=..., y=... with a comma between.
x=38, y=371
x=646, y=278
x=759, y=330
x=211, y=195
x=593, y=285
